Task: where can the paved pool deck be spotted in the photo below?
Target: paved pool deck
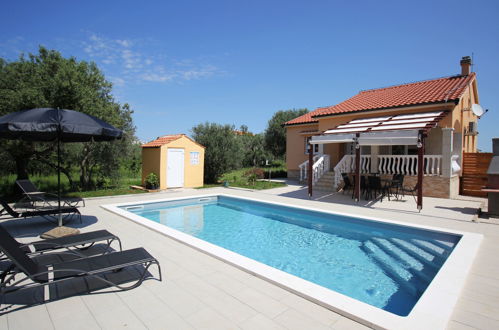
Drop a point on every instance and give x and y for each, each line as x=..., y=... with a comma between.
x=202, y=292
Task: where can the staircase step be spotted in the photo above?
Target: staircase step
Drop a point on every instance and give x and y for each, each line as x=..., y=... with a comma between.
x=390, y=266
x=432, y=248
x=419, y=254
x=416, y=267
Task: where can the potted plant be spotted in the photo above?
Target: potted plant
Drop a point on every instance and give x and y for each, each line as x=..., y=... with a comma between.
x=152, y=181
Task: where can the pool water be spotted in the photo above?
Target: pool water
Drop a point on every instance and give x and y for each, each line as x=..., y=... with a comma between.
x=384, y=265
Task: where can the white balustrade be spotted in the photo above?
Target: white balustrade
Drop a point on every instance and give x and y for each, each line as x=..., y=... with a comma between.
x=347, y=165
x=319, y=167
x=389, y=164
x=408, y=164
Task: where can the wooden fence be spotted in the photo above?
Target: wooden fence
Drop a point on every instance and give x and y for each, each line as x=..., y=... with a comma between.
x=474, y=175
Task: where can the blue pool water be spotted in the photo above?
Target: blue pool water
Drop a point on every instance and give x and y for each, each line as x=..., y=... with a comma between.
x=384, y=265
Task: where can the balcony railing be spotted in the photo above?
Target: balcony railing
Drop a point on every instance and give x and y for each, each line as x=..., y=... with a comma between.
x=320, y=166
x=389, y=164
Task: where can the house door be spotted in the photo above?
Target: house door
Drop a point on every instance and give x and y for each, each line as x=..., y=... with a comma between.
x=175, y=168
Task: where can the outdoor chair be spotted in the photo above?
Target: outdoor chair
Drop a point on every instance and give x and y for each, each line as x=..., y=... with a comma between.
x=45, y=212
x=347, y=183
x=374, y=187
x=71, y=243
x=396, y=184
x=28, y=273
x=34, y=196
x=410, y=190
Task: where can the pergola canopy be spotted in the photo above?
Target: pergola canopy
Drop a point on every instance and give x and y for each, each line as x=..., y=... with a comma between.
x=387, y=130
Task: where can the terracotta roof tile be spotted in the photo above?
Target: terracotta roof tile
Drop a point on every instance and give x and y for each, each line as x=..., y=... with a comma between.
x=162, y=140
x=421, y=92
x=306, y=118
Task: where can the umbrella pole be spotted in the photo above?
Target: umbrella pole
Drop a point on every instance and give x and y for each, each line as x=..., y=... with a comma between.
x=59, y=179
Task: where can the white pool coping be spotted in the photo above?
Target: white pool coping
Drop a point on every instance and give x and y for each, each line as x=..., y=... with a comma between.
x=432, y=311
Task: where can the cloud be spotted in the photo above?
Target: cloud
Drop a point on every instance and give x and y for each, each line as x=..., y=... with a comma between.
x=129, y=61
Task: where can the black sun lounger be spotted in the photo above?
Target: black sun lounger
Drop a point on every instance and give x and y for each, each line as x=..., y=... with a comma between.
x=36, y=196
x=38, y=213
x=79, y=242
x=27, y=273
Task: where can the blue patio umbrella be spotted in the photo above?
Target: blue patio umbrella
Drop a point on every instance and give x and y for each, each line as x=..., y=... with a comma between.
x=58, y=125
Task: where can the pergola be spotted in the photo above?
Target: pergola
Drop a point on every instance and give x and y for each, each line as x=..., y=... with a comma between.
x=406, y=129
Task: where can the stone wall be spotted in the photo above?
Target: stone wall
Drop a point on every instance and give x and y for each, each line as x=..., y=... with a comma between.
x=436, y=186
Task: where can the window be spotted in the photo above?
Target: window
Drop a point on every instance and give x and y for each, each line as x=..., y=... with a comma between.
x=315, y=146
x=194, y=158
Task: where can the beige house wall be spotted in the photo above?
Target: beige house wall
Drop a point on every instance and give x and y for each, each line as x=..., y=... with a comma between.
x=295, y=147
x=156, y=160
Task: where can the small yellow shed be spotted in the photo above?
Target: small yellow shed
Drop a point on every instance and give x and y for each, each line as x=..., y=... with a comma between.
x=177, y=160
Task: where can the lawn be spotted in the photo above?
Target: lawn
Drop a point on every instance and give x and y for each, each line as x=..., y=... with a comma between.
x=252, y=178
x=49, y=184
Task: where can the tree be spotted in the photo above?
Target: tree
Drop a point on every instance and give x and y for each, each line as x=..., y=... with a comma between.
x=253, y=149
x=222, y=153
x=275, y=133
x=47, y=79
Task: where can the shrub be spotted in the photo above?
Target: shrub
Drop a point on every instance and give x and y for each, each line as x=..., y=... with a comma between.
x=152, y=181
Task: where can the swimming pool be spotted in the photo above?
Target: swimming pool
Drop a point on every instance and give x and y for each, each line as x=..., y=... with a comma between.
x=385, y=265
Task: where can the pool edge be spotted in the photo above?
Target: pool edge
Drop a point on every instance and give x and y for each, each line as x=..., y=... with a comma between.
x=433, y=309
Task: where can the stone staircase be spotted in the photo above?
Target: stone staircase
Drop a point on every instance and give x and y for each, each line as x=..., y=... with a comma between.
x=325, y=183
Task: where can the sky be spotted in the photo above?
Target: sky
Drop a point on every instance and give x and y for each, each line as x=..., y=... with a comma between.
x=182, y=63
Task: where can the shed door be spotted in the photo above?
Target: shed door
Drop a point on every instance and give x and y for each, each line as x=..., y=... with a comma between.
x=175, y=168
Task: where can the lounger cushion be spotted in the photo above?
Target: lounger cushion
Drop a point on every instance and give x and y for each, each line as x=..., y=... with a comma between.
x=69, y=241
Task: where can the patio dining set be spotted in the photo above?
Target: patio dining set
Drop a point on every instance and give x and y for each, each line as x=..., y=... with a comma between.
x=373, y=186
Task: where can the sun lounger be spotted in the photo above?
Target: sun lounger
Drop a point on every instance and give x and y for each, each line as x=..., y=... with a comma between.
x=27, y=273
x=35, y=196
x=69, y=243
x=41, y=213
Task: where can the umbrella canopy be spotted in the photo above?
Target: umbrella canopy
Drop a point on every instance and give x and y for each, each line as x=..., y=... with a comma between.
x=47, y=124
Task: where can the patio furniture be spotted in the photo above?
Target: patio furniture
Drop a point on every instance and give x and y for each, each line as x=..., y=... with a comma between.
x=374, y=187
x=70, y=243
x=45, y=212
x=397, y=184
x=347, y=183
x=25, y=269
x=61, y=125
x=410, y=190
x=35, y=196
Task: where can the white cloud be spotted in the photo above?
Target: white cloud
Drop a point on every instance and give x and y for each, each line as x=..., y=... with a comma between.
x=126, y=60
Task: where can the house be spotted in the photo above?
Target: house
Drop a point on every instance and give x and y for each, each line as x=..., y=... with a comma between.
x=389, y=125
x=177, y=160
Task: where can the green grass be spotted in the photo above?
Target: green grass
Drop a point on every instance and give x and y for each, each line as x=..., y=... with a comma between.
x=237, y=178
x=49, y=184
x=106, y=192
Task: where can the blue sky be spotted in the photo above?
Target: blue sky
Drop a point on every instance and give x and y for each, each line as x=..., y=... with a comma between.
x=237, y=62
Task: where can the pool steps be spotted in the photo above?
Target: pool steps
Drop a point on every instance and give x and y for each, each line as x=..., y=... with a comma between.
x=413, y=264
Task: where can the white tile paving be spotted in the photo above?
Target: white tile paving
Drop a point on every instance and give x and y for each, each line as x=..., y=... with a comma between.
x=201, y=292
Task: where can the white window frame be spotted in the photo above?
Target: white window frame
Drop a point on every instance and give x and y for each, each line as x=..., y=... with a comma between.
x=194, y=157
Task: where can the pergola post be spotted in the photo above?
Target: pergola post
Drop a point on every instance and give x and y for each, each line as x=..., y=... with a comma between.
x=357, y=168
x=420, y=169
x=310, y=164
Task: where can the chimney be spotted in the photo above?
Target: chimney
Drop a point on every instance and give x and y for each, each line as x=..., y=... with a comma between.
x=465, y=65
